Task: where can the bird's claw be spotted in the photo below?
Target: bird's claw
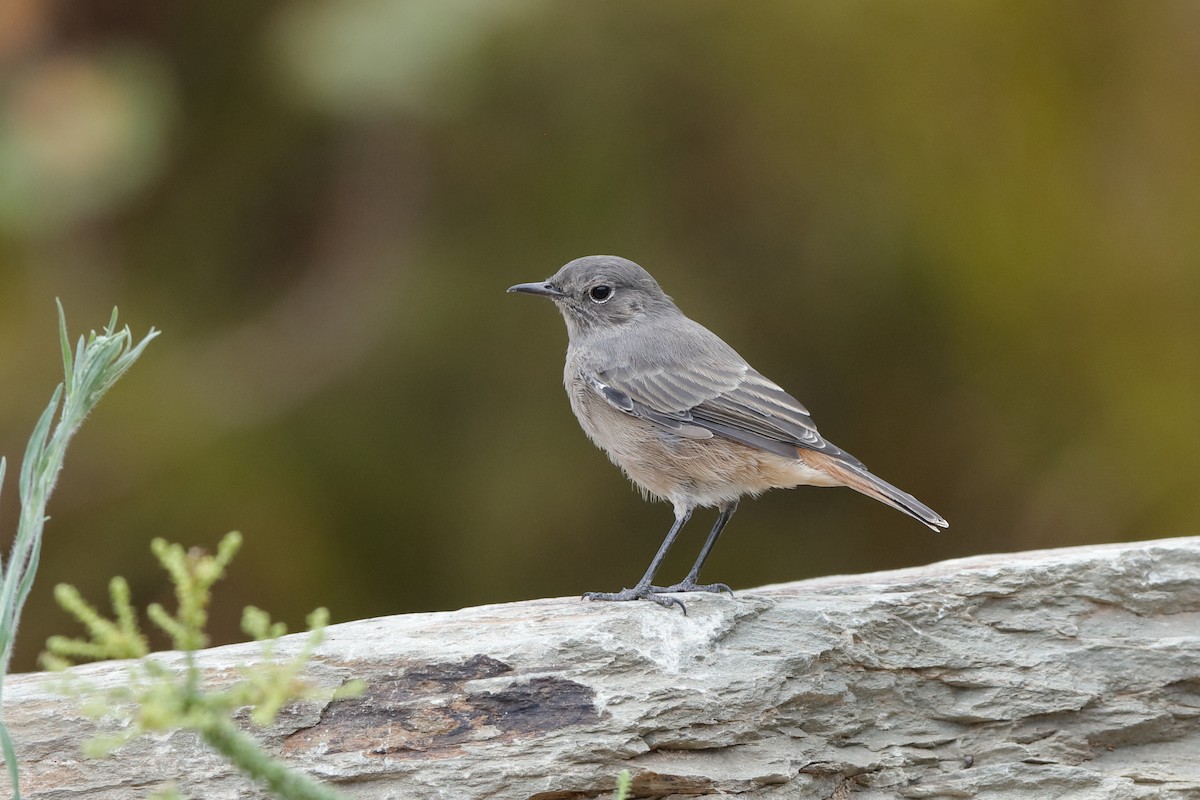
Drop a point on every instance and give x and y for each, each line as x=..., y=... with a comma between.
x=660, y=594
x=638, y=593
x=692, y=586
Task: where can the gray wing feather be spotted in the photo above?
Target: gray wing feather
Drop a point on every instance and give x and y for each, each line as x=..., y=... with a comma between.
x=723, y=395
x=676, y=423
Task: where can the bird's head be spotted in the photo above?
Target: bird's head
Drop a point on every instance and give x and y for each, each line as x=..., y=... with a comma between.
x=599, y=293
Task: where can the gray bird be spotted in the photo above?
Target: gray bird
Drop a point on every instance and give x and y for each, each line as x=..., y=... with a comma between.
x=685, y=417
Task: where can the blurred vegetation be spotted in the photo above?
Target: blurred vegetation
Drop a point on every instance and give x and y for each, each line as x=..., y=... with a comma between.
x=158, y=696
x=964, y=235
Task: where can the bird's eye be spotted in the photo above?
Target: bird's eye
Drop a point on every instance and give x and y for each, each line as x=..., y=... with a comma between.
x=600, y=293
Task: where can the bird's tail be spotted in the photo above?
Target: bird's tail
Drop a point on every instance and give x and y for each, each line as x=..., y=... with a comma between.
x=860, y=480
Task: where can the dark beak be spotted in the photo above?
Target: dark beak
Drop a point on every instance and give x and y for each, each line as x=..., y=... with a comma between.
x=543, y=288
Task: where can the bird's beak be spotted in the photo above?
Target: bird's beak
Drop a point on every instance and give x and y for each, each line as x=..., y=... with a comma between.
x=543, y=288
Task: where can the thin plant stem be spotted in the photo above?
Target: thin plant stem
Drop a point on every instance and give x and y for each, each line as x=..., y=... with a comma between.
x=222, y=736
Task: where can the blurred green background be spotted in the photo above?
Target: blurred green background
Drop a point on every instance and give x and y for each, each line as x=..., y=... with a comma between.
x=965, y=235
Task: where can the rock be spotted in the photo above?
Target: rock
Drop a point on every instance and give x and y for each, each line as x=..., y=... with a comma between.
x=1069, y=673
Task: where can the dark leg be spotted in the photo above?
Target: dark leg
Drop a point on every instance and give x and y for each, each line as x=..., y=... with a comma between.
x=689, y=584
x=644, y=590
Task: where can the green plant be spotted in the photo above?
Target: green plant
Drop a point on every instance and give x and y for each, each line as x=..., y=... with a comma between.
x=624, y=782
x=161, y=697
x=97, y=363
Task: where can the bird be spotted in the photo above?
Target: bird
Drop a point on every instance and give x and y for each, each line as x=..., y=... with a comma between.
x=685, y=417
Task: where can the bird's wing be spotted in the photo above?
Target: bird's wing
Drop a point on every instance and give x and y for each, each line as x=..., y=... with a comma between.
x=698, y=397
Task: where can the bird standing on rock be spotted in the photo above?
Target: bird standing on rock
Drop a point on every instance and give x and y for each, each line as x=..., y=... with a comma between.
x=685, y=416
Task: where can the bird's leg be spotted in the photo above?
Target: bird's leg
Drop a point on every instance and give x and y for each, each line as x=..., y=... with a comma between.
x=689, y=584
x=644, y=589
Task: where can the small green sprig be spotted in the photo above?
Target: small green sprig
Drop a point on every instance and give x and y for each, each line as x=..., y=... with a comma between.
x=108, y=639
x=271, y=684
x=160, y=697
x=624, y=785
x=193, y=572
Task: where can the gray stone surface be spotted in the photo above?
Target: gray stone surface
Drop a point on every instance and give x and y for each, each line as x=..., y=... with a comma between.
x=1068, y=673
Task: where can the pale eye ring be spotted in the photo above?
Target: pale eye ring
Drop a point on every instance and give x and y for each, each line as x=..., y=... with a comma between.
x=600, y=293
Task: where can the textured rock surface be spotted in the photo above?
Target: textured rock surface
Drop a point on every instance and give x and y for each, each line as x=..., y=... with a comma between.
x=1056, y=674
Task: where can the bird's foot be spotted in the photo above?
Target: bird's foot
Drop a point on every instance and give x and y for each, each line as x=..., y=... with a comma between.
x=638, y=593
x=690, y=585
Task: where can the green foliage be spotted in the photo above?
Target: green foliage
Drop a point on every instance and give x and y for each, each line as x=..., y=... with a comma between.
x=272, y=683
x=97, y=363
x=160, y=696
x=115, y=638
x=193, y=573
x=624, y=782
